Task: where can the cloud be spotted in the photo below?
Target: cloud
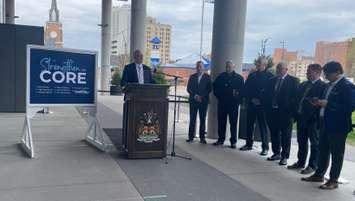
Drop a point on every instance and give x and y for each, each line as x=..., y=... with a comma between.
x=300, y=23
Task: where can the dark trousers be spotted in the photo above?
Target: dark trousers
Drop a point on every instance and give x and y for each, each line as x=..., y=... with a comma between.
x=201, y=108
x=281, y=129
x=227, y=110
x=331, y=144
x=308, y=131
x=258, y=113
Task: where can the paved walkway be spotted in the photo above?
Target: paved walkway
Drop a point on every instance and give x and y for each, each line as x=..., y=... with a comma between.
x=66, y=168
x=267, y=178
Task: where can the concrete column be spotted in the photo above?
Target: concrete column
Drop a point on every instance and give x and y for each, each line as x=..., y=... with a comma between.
x=105, y=44
x=227, y=44
x=9, y=11
x=138, y=25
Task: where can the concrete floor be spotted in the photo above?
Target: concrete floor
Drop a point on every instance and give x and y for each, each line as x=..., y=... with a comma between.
x=66, y=168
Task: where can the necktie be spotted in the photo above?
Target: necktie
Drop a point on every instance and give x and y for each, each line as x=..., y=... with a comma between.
x=140, y=75
x=199, y=78
x=278, y=85
x=276, y=90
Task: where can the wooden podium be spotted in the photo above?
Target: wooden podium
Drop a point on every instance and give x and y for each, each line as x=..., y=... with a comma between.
x=145, y=120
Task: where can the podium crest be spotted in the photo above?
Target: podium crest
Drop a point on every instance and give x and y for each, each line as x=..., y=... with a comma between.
x=148, y=130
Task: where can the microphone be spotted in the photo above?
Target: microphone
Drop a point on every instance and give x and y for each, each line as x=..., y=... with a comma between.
x=155, y=71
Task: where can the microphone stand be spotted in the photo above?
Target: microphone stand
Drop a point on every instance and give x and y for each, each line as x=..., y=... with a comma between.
x=173, y=154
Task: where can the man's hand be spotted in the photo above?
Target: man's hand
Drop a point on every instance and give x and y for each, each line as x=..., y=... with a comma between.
x=198, y=98
x=318, y=102
x=322, y=103
x=255, y=101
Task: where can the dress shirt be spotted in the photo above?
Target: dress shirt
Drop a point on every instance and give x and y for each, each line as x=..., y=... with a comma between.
x=140, y=73
x=329, y=89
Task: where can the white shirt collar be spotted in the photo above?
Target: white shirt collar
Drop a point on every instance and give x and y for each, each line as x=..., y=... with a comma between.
x=314, y=81
x=283, y=77
x=139, y=65
x=336, y=81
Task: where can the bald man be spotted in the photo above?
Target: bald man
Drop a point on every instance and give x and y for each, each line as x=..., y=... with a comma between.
x=282, y=104
x=136, y=72
x=227, y=88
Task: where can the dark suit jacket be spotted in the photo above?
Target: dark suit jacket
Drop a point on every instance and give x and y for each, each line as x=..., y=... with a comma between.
x=224, y=85
x=341, y=104
x=286, y=97
x=203, y=88
x=310, y=113
x=255, y=86
x=130, y=75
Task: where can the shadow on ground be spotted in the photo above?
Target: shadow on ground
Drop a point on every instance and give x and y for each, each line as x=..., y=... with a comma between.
x=176, y=179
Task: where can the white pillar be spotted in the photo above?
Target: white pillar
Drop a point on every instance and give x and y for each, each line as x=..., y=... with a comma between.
x=105, y=44
x=227, y=44
x=9, y=11
x=138, y=25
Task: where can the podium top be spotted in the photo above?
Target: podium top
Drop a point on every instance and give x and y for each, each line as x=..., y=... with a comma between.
x=146, y=91
x=145, y=86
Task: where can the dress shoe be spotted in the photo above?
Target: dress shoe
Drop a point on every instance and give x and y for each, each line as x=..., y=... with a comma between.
x=189, y=140
x=295, y=166
x=307, y=170
x=233, y=146
x=274, y=157
x=245, y=148
x=329, y=185
x=203, y=141
x=283, y=161
x=218, y=143
x=264, y=152
x=313, y=178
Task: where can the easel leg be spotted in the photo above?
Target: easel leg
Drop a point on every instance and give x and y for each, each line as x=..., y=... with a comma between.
x=95, y=135
x=26, y=141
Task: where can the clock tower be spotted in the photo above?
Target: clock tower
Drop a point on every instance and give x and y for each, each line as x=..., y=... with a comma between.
x=53, y=34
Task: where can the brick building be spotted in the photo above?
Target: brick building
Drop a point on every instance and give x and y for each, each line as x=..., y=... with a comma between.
x=343, y=52
x=283, y=55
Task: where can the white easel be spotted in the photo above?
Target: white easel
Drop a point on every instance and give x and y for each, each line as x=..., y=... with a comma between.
x=94, y=133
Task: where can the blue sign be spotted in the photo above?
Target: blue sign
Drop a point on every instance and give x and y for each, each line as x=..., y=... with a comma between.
x=154, y=61
x=61, y=77
x=155, y=40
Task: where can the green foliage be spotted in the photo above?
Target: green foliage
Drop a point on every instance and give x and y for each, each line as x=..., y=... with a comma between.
x=351, y=137
x=116, y=78
x=159, y=78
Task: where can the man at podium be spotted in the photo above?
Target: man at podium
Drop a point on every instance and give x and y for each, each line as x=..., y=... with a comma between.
x=136, y=72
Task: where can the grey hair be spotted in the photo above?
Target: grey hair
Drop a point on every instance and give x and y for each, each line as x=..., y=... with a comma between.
x=229, y=61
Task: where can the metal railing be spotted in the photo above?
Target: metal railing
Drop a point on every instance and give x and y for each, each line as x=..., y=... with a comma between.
x=180, y=99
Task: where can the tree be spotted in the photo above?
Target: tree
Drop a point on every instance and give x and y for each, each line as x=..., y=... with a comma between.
x=270, y=61
x=116, y=78
x=159, y=78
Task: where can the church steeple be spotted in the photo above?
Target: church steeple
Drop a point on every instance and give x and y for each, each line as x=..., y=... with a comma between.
x=54, y=12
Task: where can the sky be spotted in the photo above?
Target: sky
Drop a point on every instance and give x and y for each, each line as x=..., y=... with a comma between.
x=300, y=23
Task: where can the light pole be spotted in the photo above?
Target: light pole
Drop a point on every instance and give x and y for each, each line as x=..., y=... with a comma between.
x=125, y=53
x=283, y=51
x=263, y=46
